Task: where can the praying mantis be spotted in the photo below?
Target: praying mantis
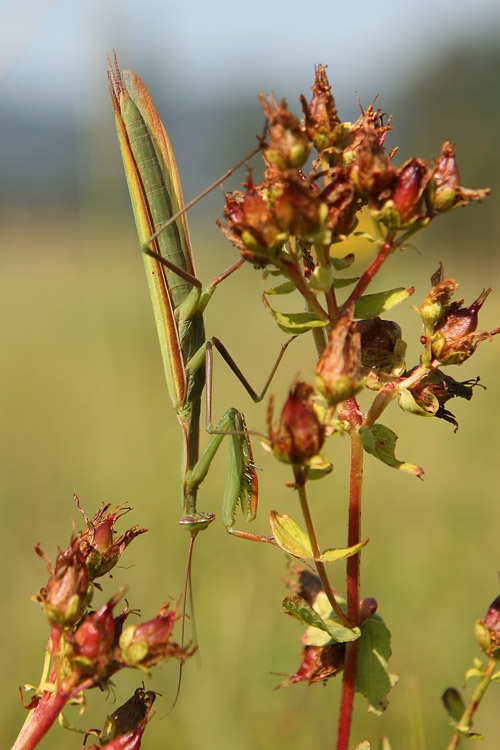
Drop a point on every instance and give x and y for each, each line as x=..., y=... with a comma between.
x=179, y=301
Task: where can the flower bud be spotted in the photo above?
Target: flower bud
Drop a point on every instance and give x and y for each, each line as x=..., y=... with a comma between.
x=372, y=173
x=288, y=145
x=299, y=211
x=93, y=643
x=343, y=204
x=487, y=631
x=444, y=190
x=98, y=543
x=339, y=372
x=252, y=227
x=321, y=119
x=148, y=643
x=66, y=594
x=455, y=337
x=404, y=205
x=299, y=435
x=438, y=299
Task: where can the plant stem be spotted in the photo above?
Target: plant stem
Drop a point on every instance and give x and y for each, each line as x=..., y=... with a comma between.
x=39, y=720
x=353, y=578
x=465, y=722
x=320, y=567
x=385, y=250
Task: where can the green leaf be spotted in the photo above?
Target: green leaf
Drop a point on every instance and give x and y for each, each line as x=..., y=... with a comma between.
x=318, y=467
x=341, y=553
x=373, y=679
x=340, y=283
x=295, y=323
x=453, y=703
x=384, y=743
x=300, y=609
x=380, y=442
x=372, y=305
x=285, y=288
x=341, y=263
x=290, y=536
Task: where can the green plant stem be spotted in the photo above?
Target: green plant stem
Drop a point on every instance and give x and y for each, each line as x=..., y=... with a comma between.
x=353, y=579
x=320, y=567
x=465, y=722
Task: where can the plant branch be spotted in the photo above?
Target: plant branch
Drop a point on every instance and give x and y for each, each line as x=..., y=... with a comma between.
x=465, y=722
x=320, y=567
x=353, y=580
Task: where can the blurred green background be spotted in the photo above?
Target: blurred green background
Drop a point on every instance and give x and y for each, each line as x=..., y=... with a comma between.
x=82, y=399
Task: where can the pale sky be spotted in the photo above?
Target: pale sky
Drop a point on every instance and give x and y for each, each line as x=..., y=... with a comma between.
x=52, y=52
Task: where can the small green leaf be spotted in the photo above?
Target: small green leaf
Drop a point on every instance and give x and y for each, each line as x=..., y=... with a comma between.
x=318, y=467
x=380, y=442
x=290, y=536
x=365, y=745
x=285, y=288
x=295, y=323
x=340, y=283
x=373, y=679
x=453, y=703
x=384, y=743
x=341, y=553
x=341, y=263
x=372, y=305
x=300, y=609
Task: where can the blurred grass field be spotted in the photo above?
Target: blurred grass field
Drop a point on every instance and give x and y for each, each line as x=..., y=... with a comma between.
x=85, y=410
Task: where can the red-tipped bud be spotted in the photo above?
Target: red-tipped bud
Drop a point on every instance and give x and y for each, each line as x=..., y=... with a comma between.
x=438, y=299
x=487, y=631
x=94, y=641
x=321, y=119
x=339, y=372
x=372, y=173
x=148, y=643
x=66, y=594
x=288, y=144
x=98, y=542
x=455, y=337
x=343, y=204
x=299, y=211
x=252, y=227
x=444, y=190
x=299, y=435
x=404, y=205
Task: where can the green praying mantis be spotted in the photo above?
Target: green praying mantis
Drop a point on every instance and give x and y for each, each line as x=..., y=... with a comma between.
x=179, y=301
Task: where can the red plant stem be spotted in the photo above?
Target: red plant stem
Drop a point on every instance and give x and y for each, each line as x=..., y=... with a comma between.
x=353, y=577
x=40, y=719
x=385, y=250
